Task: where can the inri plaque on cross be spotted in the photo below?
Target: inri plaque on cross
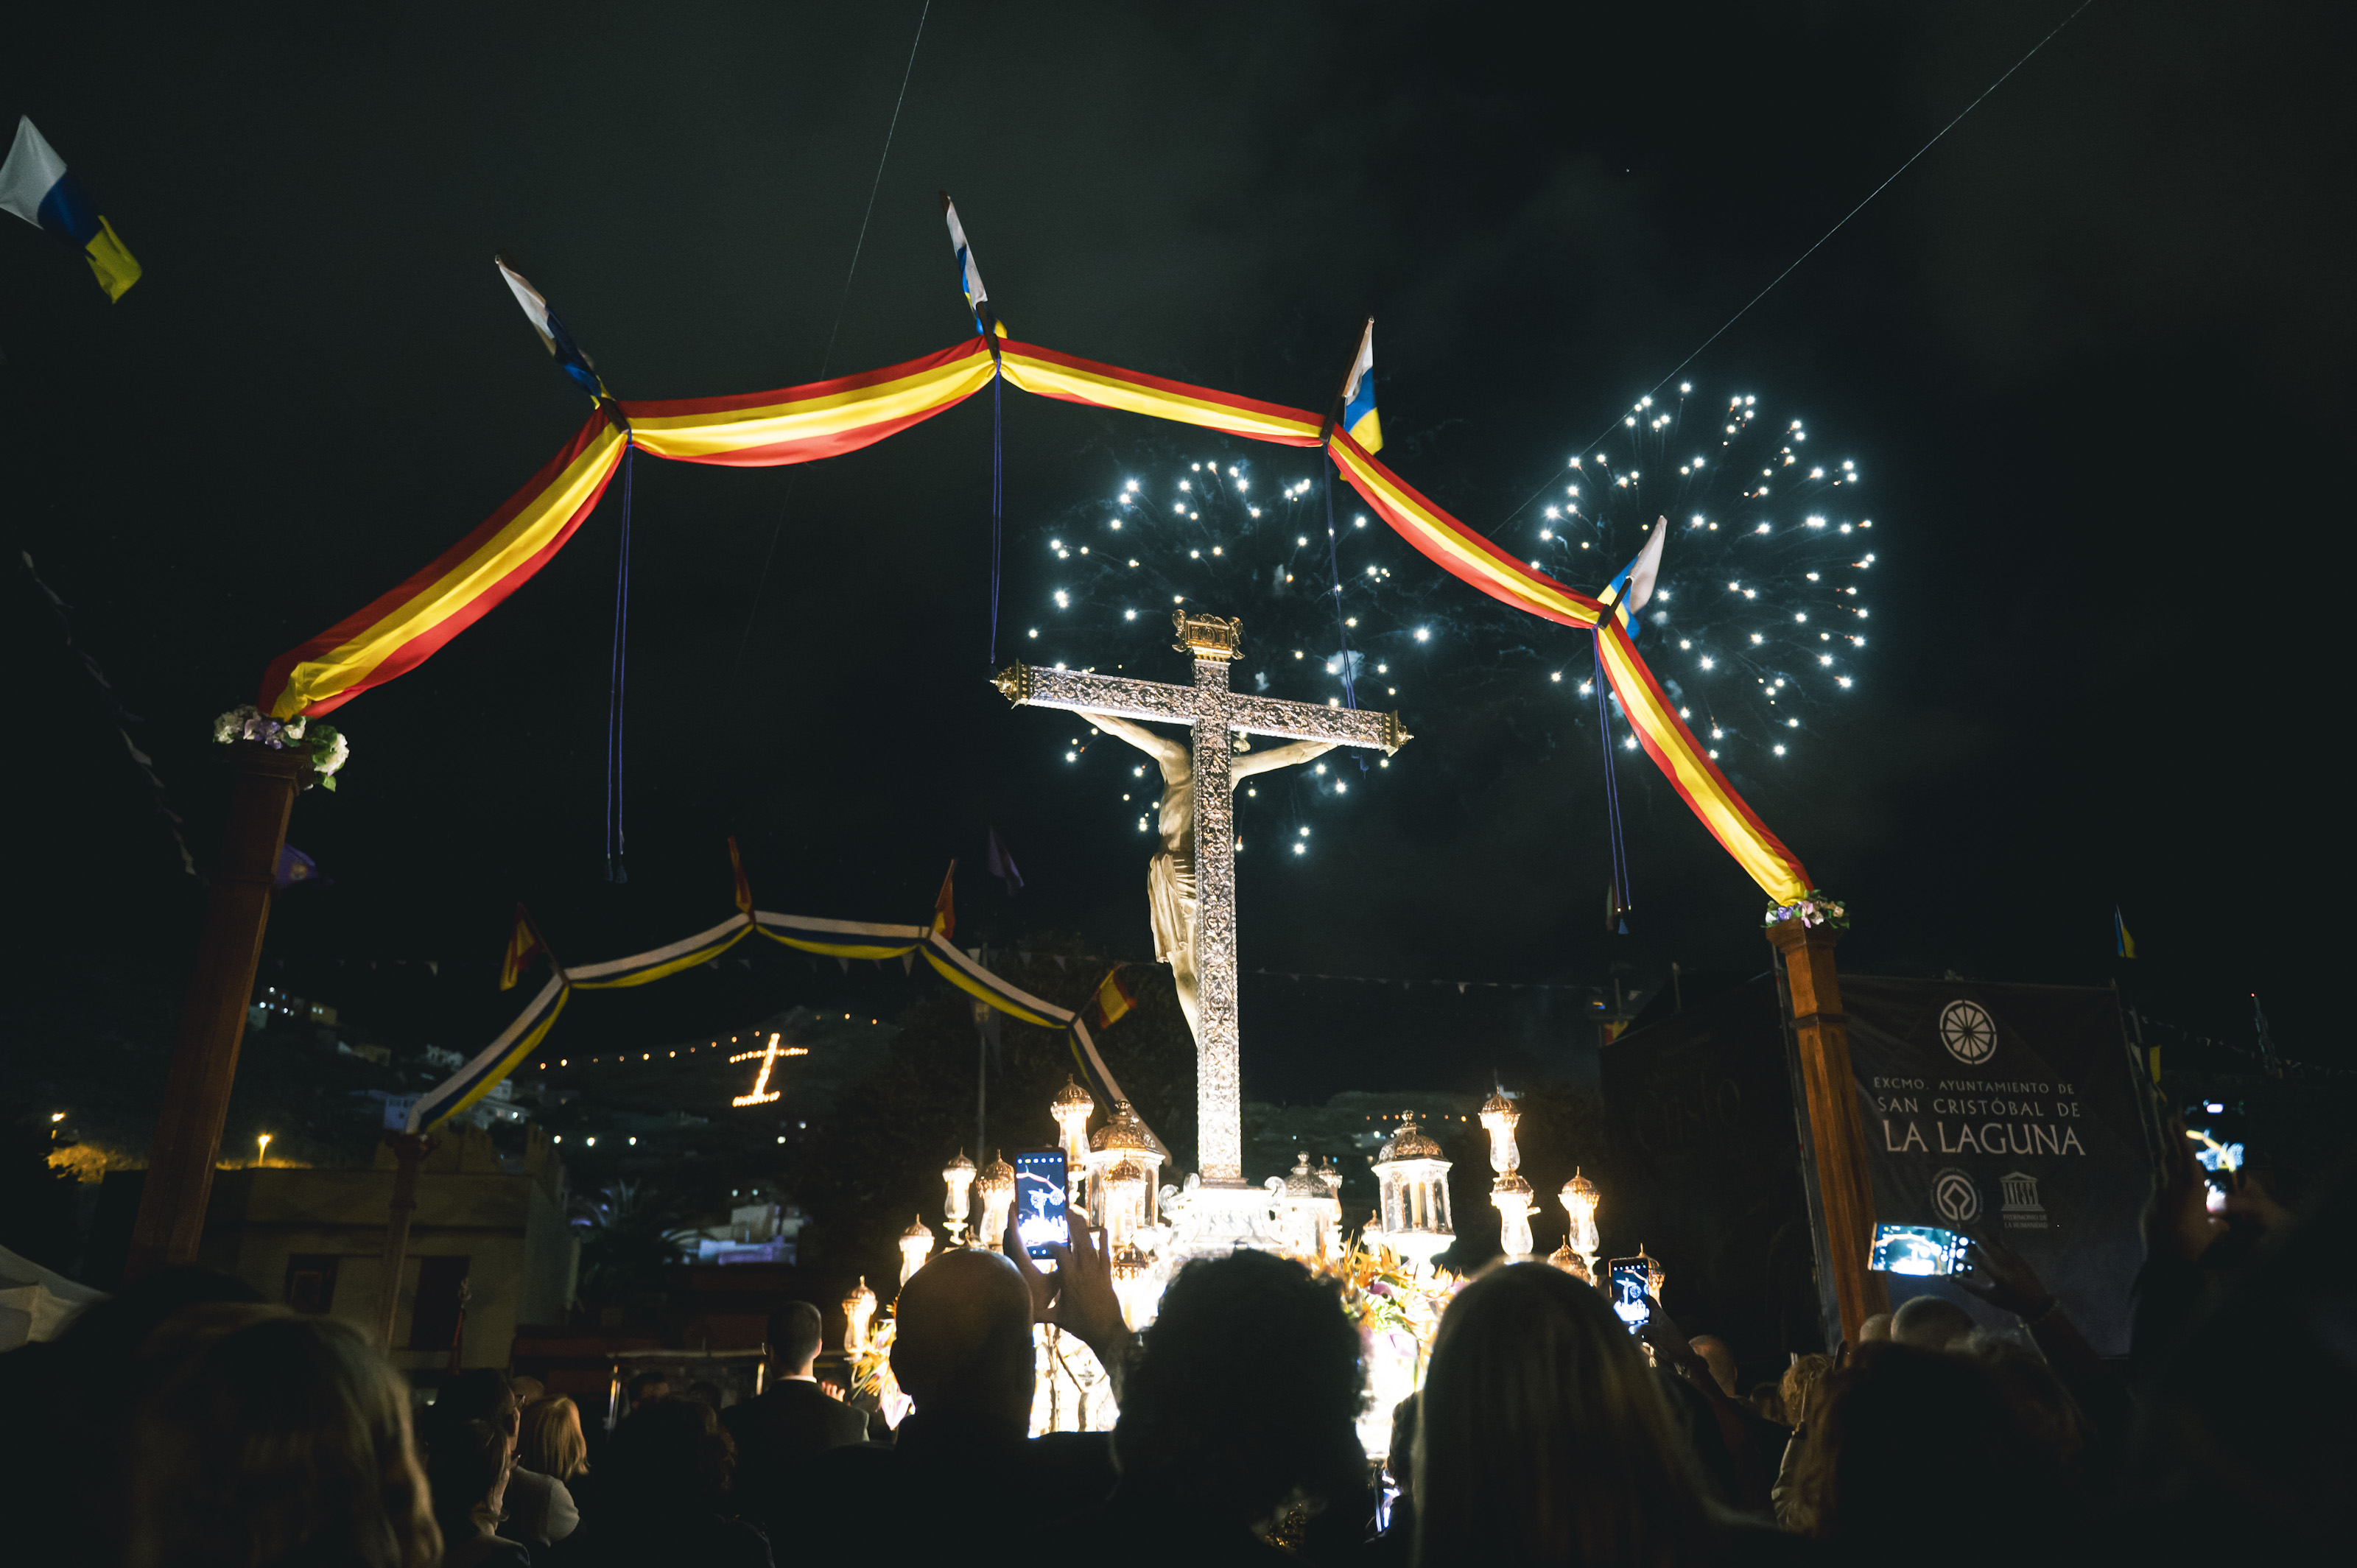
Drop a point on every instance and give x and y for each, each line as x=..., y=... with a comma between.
x=1215, y=713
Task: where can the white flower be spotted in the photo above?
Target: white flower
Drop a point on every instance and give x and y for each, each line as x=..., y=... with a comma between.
x=336, y=756
x=295, y=727
x=236, y=724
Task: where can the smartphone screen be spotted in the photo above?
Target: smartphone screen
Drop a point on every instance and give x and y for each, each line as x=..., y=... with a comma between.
x=1921, y=1249
x=1632, y=1278
x=1040, y=1192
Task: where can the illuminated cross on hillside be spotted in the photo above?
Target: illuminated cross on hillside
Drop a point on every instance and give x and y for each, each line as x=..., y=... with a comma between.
x=762, y=1093
x=1191, y=884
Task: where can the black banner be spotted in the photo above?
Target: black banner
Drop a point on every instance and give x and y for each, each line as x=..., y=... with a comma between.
x=2011, y=1109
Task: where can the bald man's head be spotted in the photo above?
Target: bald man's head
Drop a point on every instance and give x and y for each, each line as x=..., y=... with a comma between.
x=1928, y=1322
x=1719, y=1357
x=962, y=1343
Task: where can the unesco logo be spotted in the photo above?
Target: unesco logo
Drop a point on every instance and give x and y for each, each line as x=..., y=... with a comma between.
x=1968, y=1032
x=1958, y=1199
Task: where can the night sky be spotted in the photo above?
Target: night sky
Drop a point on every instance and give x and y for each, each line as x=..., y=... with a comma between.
x=2093, y=349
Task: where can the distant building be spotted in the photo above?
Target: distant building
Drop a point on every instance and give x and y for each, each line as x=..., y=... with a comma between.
x=490, y=1246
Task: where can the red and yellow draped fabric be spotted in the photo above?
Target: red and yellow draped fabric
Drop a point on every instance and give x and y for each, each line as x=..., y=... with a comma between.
x=409, y=625
x=824, y=419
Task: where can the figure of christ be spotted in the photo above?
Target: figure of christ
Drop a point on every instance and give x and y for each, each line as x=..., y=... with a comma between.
x=1171, y=875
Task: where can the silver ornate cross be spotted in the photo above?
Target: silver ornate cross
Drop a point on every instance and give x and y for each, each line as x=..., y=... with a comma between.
x=1214, y=712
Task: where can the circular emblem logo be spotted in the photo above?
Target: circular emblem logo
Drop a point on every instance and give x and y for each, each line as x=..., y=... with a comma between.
x=1968, y=1032
x=1958, y=1199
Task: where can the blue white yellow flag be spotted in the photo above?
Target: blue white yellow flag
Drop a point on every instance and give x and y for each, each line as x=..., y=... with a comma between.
x=977, y=298
x=35, y=186
x=553, y=334
x=1634, y=585
x=1359, y=396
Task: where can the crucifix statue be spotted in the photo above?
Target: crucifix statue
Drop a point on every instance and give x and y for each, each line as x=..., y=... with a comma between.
x=1191, y=881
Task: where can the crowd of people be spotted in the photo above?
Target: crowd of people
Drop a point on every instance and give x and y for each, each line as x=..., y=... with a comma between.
x=185, y=1425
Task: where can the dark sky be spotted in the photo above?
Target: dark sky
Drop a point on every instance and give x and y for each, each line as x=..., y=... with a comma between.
x=2093, y=348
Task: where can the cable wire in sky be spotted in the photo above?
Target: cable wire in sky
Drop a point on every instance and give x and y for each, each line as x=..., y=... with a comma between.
x=1828, y=234
x=841, y=305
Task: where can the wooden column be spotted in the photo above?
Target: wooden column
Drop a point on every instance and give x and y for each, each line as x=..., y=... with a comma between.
x=1821, y=1035
x=212, y=1010
x=408, y=1149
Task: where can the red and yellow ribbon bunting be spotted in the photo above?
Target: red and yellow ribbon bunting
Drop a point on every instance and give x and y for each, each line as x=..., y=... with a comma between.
x=824, y=419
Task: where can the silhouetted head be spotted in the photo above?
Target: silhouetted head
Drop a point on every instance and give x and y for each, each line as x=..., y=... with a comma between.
x=796, y=1332
x=1247, y=1392
x=1929, y=1323
x=1719, y=1357
x=1901, y=1419
x=669, y=1456
x=1545, y=1438
x=1874, y=1330
x=961, y=1344
x=269, y=1438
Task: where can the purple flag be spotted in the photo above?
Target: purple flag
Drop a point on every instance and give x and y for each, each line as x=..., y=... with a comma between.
x=1001, y=864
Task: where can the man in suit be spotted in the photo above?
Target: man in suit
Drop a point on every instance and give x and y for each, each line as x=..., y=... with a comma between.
x=791, y=1422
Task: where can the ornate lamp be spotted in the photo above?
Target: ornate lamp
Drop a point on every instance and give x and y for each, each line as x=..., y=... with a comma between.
x=1572, y=1264
x=1308, y=1214
x=858, y=1309
x=1415, y=1222
x=1578, y=1198
x=1126, y=1138
x=1125, y=1202
x=1499, y=1117
x=1072, y=1108
x=1134, y=1286
x=1510, y=1196
x=996, y=1188
x=916, y=1246
x=958, y=1177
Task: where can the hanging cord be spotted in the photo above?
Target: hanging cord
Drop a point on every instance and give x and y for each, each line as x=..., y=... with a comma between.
x=785, y=504
x=1828, y=234
x=997, y=488
x=1620, y=899
x=617, y=682
x=1334, y=563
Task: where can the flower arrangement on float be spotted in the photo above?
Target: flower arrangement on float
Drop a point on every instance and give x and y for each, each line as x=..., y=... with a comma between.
x=324, y=744
x=1818, y=908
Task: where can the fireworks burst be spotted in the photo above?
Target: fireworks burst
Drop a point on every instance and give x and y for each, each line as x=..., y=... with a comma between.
x=1760, y=615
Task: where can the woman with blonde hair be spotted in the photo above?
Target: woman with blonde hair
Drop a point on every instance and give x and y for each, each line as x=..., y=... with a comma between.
x=273, y=1439
x=552, y=1443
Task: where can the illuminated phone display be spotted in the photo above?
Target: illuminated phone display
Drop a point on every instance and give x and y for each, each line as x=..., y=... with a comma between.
x=1039, y=1198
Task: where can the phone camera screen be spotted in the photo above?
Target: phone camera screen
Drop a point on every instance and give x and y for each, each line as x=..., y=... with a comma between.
x=1632, y=1278
x=1040, y=1198
x=1918, y=1250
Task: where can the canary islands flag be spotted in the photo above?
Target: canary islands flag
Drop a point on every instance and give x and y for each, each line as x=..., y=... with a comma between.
x=744, y=886
x=1358, y=395
x=977, y=298
x=2122, y=942
x=524, y=946
x=553, y=334
x=945, y=904
x=1113, y=1001
x=35, y=186
x=1634, y=586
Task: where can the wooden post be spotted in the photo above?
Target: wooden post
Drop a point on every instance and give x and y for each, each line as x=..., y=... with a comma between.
x=408, y=1149
x=1821, y=1035
x=212, y=1010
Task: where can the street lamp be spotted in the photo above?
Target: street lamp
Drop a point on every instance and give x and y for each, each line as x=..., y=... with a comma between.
x=261, y=1150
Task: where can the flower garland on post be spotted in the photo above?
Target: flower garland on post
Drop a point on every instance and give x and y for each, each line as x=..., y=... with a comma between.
x=1818, y=908
x=324, y=744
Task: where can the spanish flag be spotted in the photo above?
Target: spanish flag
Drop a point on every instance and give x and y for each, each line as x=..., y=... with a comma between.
x=1359, y=419
x=523, y=945
x=35, y=186
x=945, y=904
x=744, y=889
x=1113, y=1001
